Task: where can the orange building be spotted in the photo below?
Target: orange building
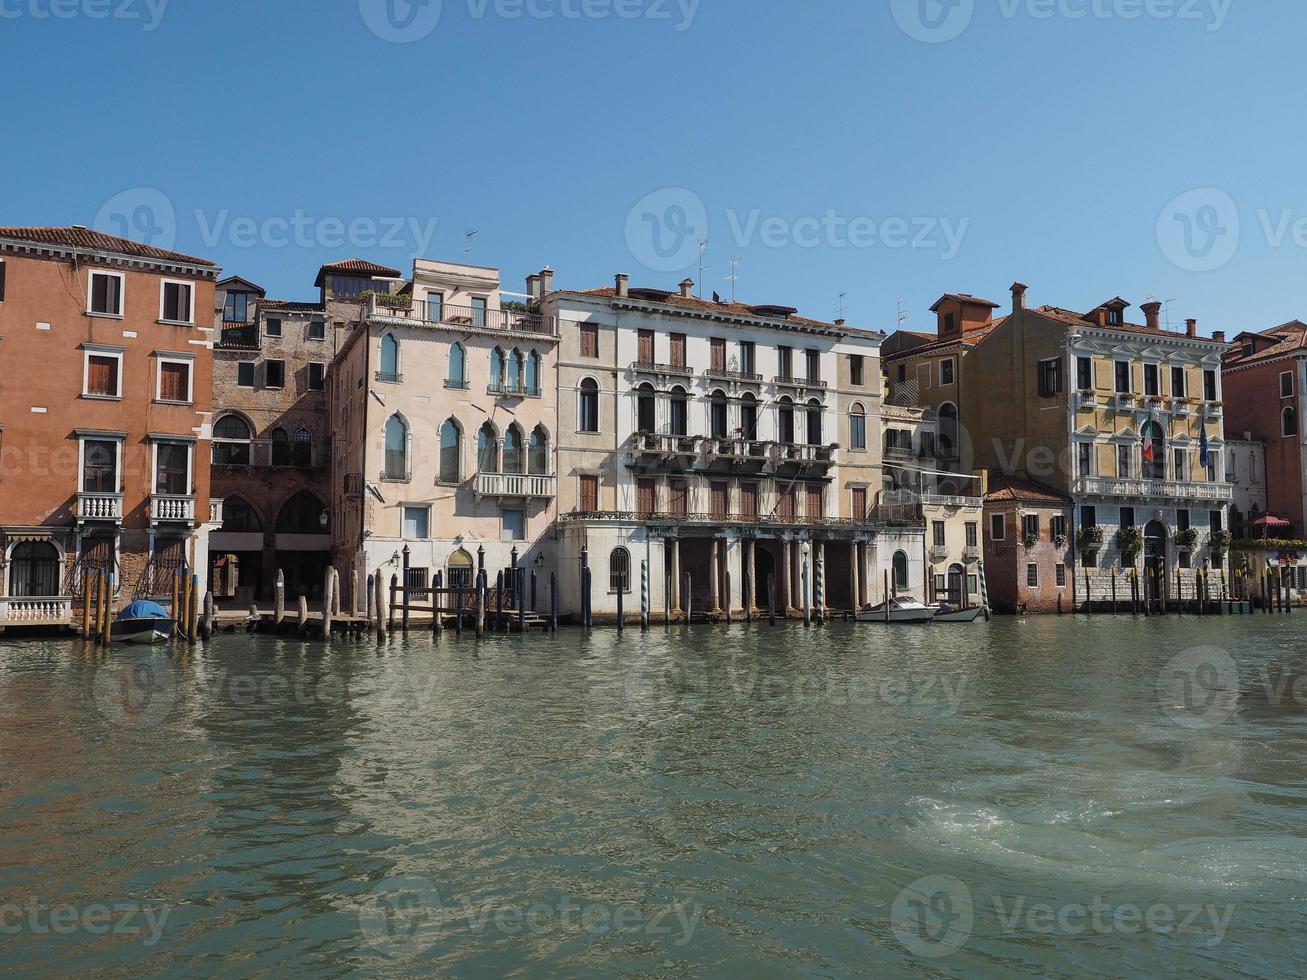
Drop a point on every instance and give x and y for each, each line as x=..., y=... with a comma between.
x=105, y=415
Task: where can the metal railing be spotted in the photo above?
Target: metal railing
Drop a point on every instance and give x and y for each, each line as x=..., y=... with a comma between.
x=172, y=507
x=471, y=317
x=652, y=367
x=939, y=500
x=265, y=453
x=389, y=377
x=725, y=374
x=788, y=382
x=512, y=390
x=99, y=506
x=529, y=485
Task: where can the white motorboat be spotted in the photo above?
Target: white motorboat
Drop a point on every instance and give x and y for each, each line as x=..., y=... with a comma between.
x=900, y=609
x=948, y=614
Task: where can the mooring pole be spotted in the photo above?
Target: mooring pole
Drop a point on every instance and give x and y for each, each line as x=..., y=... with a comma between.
x=771, y=598
x=807, y=610
x=407, y=582
x=644, y=596
x=621, y=612
x=437, y=592
x=553, y=602
x=687, y=601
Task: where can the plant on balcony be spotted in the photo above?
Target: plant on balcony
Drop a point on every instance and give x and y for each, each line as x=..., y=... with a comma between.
x=1219, y=544
x=1030, y=540
x=1188, y=538
x=1129, y=541
x=1155, y=399
x=1089, y=538
x=1060, y=541
x=391, y=300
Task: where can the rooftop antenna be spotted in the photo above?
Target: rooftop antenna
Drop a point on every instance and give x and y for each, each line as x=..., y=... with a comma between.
x=1166, y=311
x=470, y=234
x=844, y=306
x=903, y=314
x=735, y=264
x=703, y=247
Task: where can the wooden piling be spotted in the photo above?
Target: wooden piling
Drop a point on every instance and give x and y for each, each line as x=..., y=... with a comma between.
x=437, y=592
x=771, y=598
x=193, y=609
x=687, y=602
x=481, y=610
x=553, y=602
x=206, y=624
x=87, y=581
x=644, y=596
x=175, y=609
x=328, y=602
x=108, y=612
x=379, y=601
x=621, y=612
x=302, y=616
x=727, y=577
x=279, y=602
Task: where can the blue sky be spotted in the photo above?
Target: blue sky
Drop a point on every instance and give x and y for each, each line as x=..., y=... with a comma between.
x=1067, y=143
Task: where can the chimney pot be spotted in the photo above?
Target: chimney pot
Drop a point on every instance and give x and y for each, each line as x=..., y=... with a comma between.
x=1019, y=296
x=533, y=285
x=1191, y=327
x=687, y=288
x=623, y=282
x=546, y=281
x=1153, y=311
x=1218, y=336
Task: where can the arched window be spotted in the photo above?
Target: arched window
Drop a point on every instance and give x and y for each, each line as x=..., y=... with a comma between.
x=538, y=460
x=785, y=420
x=301, y=450
x=513, y=450
x=231, y=441
x=533, y=373
x=814, y=422
x=34, y=570
x=459, y=570
x=457, y=377
x=679, y=423
x=619, y=571
x=497, y=369
x=1289, y=422
x=514, y=371
x=451, y=452
x=858, y=427
x=948, y=431
x=396, y=449
x=588, y=410
x=900, y=570
x=487, y=449
x=280, y=447
x=646, y=410
x=1155, y=468
x=302, y=514
x=749, y=416
x=238, y=515
x=717, y=415
x=388, y=370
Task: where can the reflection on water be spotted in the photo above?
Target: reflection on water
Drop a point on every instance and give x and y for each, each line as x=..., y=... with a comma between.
x=752, y=801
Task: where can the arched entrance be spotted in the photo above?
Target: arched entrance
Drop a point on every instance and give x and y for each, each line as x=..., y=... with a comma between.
x=1155, y=559
x=956, y=586
x=459, y=570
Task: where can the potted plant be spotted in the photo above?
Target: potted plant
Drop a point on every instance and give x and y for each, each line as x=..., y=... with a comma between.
x=1089, y=539
x=1030, y=540
x=1059, y=541
x=1129, y=541
x=1188, y=538
x=1219, y=543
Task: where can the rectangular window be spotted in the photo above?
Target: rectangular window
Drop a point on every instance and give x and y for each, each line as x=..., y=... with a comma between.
x=855, y=370
x=172, y=468
x=645, y=354
x=514, y=525
x=176, y=302
x=646, y=497
x=2, y=281
x=997, y=527
x=1286, y=384
x=435, y=307
x=1181, y=458
x=937, y=534
x=317, y=330
x=1184, y=561
x=971, y=539
x=785, y=362
x=479, y=320
x=1050, y=378
x=813, y=363
x=816, y=503
x=858, y=431
x=589, y=494
x=1209, y=385
x=720, y=500
x=718, y=351
x=680, y=497
x=1152, y=384
x=416, y=523
x=174, y=381
x=1089, y=517
x=748, y=357
x=946, y=371
x=1085, y=459
x=1032, y=576
x=1215, y=521
x=1061, y=575
x=1127, y=517
x=1123, y=377
x=1124, y=457
x=1057, y=527
x=1182, y=519
x=236, y=308
x=1085, y=373
x=785, y=504
x=245, y=374
x=272, y=327
x=589, y=339
x=103, y=375
x=749, y=501
x=99, y=466
x=1213, y=466
x=317, y=377
x=274, y=374
x=859, y=503
x=106, y=293
x=1177, y=382
x=676, y=343
x=419, y=578
x=1030, y=526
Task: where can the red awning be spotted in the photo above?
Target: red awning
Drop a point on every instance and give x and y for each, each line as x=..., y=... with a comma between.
x=1272, y=521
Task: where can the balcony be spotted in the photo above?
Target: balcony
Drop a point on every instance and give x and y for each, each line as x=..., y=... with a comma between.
x=507, y=320
x=1159, y=491
x=936, y=500
x=501, y=390
x=734, y=377
x=808, y=385
x=1125, y=401
x=100, y=507
x=389, y=377
x=266, y=453
x=971, y=553
x=1085, y=400
x=39, y=611
x=1213, y=410
x=526, y=486
x=938, y=553
x=656, y=370
x=661, y=446
x=239, y=338
x=738, y=520
x=172, y=508
x=791, y=454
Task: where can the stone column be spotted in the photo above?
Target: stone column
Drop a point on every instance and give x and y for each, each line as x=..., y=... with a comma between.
x=679, y=602
x=714, y=577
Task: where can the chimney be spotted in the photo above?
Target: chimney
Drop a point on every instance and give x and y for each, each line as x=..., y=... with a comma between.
x=1218, y=336
x=1191, y=328
x=533, y=285
x=839, y=322
x=1019, y=296
x=623, y=282
x=687, y=288
x=546, y=281
x=1153, y=311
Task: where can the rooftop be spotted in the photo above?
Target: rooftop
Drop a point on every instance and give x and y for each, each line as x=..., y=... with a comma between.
x=356, y=267
x=77, y=236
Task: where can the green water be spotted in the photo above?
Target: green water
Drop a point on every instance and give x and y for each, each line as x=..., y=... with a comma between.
x=1054, y=797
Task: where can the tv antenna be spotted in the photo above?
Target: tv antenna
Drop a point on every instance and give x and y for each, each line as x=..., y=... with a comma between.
x=703, y=247
x=735, y=264
x=469, y=235
x=844, y=306
x=903, y=314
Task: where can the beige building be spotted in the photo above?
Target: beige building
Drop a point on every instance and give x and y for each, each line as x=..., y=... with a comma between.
x=443, y=409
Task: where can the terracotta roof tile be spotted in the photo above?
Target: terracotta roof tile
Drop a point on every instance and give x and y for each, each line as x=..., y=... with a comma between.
x=74, y=237
x=739, y=309
x=357, y=267
x=1008, y=488
x=290, y=305
x=963, y=298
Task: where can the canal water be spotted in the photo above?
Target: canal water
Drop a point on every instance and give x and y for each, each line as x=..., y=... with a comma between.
x=1053, y=797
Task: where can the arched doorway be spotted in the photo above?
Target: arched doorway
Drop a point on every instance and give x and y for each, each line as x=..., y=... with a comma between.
x=957, y=578
x=459, y=570
x=1155, y=559
x=34, y=570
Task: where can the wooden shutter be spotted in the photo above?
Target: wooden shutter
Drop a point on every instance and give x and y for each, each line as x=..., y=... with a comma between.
x=589, y=340
x=646, y=353
x=815, y=503
x=718, y=354
x=749, y=501
x=172, y=382
x=786, y=504
x=678, y=349
x=589, y=494
x=859, y=503
x=645, y=490
x=102, y=375
x=721, y=495
x=680, y=501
